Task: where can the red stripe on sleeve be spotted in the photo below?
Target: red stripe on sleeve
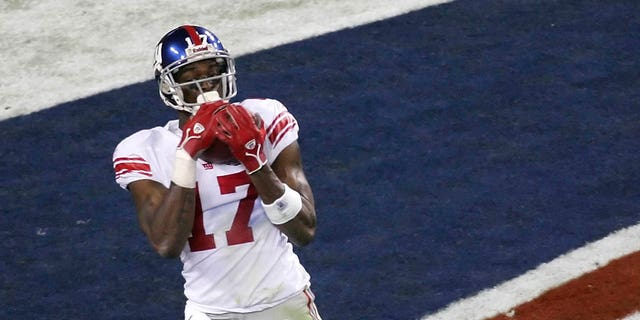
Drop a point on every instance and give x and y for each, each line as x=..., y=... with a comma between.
x=283, y=123
x=124, y=165
x=148, y=174
x=129, y=159
x=132, y=166
x=283, y=132
x=277, y=119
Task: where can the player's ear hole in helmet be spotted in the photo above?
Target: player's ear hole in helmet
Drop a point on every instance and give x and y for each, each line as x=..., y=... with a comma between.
x=178, y=52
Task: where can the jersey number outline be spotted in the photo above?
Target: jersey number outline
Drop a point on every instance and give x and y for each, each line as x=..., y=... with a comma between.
x=240, y=231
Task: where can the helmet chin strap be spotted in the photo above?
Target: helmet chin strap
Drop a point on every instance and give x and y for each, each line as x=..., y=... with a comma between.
x=210, y=96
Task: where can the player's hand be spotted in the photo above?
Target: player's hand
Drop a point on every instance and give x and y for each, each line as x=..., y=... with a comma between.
x=200, y=131
x=244, y=135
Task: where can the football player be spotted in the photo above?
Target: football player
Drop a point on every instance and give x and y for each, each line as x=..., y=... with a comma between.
x=232, y=219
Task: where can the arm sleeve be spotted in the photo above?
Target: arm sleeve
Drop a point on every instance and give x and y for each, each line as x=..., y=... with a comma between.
x=134, y=159
x=281, y=126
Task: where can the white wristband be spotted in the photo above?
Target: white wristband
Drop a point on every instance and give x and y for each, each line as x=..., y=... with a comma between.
x=284, y=208
x=184, y=170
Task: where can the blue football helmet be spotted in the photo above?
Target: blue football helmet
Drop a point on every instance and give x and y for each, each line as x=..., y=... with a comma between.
x=184, y=45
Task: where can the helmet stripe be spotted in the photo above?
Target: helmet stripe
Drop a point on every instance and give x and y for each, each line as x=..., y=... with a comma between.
x=193, y=34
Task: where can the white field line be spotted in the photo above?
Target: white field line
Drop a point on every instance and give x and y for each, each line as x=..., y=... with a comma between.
x=64, y=50
x=508, y=295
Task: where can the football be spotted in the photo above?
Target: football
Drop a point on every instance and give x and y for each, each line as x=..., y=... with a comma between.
x=217, y=153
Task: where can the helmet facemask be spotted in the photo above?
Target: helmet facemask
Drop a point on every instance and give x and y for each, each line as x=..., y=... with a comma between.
x=173, y=92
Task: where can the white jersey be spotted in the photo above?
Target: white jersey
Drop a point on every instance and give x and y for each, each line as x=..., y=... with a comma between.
x=235, y=259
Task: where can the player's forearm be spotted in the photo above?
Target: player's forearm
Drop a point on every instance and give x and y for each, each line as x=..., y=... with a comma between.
x=172, y=222
x=173, y=218
x=267, y=183
x=300, y=228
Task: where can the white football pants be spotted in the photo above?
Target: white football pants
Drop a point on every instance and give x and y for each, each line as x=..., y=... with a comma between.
x=299, y=307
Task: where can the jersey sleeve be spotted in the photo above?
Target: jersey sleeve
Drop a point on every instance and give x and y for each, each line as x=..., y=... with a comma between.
x=134, y=159
x=280, y=125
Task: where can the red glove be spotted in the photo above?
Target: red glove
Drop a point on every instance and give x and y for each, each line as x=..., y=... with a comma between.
x=200, y=131
x=244, y=135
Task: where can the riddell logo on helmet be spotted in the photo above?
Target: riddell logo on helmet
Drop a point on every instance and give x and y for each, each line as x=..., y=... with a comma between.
x=193, y=48
x=198, y=49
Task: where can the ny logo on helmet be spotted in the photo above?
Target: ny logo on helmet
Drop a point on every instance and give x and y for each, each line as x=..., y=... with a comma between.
x=194, y=48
